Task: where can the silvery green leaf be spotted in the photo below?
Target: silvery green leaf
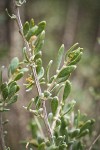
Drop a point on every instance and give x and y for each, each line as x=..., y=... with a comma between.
x=48, y=70
x=14, y=64
x=26, y=28
x=60, y=55
x=18, y=76
x=54, y=105
x=71, y=49
x=66, y=71
x=67, y=90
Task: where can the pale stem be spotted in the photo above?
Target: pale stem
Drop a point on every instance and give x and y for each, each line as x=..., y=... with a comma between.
x=45, y=118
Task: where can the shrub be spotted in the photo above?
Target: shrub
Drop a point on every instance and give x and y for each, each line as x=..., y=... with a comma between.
x=64, y=129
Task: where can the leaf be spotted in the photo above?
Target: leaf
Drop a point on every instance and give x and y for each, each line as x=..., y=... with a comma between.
x=77, y=59
x=66, y=71
x=39, y=42
x=86, y=125
x=39, y=47
x=86, y=131
x=54, y=105
x=70, y=107
x=63, y=146
x=67, y=90
x=14, y=64
x=63, y=79
x=41, y=73
x=60, y=55
x=4, y=109
x=30, y=104
x=37, y=102
x=58, y=122
x=42, y=146
x=41, y=36
x=29, y=87
x=13, y=99
x=48, y=70
x=26, y=28
x=31, y=32
x=25, y=54
x=19, y=76
x=11, y=84
x=24, y=70
x=39, y=65
x=31, y=23
x=71, y=49
x=5, y=92
x=74, y=133
x=12, y=90
x=4, y=85
x=41, y=27
x=50, y=117
x=38, y=55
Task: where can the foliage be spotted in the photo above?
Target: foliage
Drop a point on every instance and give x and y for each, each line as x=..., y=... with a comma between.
x=64, y=128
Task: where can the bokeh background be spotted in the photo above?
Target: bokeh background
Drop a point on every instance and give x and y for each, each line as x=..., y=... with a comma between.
x=68, y=22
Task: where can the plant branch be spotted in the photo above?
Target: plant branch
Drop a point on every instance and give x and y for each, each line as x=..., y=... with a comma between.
x=19, y=23
x=94, y=142
x=2, y=142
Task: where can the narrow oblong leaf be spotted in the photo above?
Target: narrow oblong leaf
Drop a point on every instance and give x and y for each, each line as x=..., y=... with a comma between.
x=31, y=23
x=31, y=32
x=66, y=71
x=24, y=70
x=48, y=70
x=5, y=92
x=37, y=102
x=14, y=64
x=13, y=99
x=60, y=55
x=86, y=131
x=74, y=133
x=86, y=125
x=39, y=47
x=41, y=73
x=63, y=79
x=12, y=90
x=71, y=49
x=67, y=89
x=26, y=28
x=4, y=109
x=38, y=55
x=19, y=76
x=41, y=36
x=25, y=54
x=54, y=105
x=76, y=60
x=39, y=65
x=42, y=146
x=41, y=27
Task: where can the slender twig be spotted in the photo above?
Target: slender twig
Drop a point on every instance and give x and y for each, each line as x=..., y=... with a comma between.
x=94, y=142
x=45, y=118
x=2, y=141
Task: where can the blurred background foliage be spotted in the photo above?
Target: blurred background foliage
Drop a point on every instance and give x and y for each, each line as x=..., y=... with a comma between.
x=68, y=21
